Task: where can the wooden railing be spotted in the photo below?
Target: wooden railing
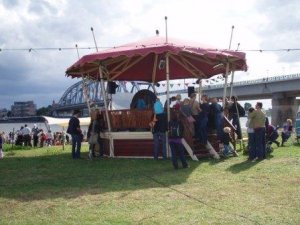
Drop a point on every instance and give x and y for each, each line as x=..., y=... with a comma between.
x=127, y=119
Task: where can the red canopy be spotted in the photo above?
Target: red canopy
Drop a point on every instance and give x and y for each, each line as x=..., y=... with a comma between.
x=145, y=61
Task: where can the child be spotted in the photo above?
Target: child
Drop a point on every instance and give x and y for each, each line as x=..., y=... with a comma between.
x=226, y=142
x=1, y=142
x=175, y=136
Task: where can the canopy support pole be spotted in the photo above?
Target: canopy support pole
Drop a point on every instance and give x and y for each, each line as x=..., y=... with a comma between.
x=200, y=90
x=168, y=100
x=111, y=144
x=225, y=84
x=231, y=83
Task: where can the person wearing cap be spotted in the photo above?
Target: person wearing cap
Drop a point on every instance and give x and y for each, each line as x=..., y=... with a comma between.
x=76, y=134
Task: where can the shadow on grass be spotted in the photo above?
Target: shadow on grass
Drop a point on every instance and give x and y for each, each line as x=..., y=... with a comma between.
x=245, y=165
x=57, y=175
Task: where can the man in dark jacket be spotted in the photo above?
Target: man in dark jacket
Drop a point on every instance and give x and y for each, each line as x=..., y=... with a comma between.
x=76, y=134
x=236, y=111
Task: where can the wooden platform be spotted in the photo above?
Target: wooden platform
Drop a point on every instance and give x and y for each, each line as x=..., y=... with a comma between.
x=137, y=140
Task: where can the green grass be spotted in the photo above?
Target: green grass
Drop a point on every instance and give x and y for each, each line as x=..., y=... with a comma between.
x=45, y=186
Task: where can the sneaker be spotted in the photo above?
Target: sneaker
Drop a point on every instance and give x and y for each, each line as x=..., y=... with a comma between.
x=254, y=160
x=90, y=155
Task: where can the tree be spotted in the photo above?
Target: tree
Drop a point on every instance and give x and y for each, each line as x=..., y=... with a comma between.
x=44, y=111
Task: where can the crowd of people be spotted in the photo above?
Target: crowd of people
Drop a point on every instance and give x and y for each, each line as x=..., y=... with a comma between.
x=196, y=119
x=34, y=137
x=190, y=119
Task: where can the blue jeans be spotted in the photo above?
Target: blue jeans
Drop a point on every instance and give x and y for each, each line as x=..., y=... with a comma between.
x=260, y=142
x=160, y=137
x=177, y=149
x=76, y=145
x=227, y=149
x=251, y=146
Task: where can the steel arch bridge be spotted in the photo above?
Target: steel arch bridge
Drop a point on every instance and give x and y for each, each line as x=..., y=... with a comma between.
x=74, y=96
x=77, y=95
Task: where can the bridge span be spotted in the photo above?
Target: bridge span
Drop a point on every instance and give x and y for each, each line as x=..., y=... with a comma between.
x=283, y=91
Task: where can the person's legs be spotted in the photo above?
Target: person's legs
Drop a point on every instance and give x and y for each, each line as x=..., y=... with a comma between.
x=35, y=141
x=236, y=124
x=73, y=146
x=180, y=150
x=226, y=150
x=202, y=130
x=156, y=145
x=219, y=126
x=101, y=146
x=174, y=155
x=78, y=147
x=164, y=145
x=251, y=146
x=260, y=142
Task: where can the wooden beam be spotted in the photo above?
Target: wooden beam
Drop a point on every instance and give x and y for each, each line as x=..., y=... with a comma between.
x=189, y=150
x=186, y=61
x=197, y=58
x=182, y=64
x=128, y=67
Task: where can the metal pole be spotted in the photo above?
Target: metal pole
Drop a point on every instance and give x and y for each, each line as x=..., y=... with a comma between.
x=231, y=37
x=168, y=89
x=106, y=111
x=225, y=84
x=227, y=69
x=166, y=22
x=168, y=102
x=92, y=29
x=231, y=83
x=232, y=75
x=200, y=90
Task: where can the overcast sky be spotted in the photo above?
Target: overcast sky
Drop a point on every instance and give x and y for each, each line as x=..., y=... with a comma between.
x=39, y=75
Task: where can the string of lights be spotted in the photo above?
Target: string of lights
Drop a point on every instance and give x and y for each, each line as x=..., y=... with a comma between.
x=92, y=48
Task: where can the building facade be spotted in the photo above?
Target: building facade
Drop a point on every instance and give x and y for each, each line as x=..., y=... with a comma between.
x=22, y=109
x=3, y=113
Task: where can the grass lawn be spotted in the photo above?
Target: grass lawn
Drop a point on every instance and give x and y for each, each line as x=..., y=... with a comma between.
x=45, y=186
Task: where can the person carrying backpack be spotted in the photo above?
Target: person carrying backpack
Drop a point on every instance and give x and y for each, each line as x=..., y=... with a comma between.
x=175, y=141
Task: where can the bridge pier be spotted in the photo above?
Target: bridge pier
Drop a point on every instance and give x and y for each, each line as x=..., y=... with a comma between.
x=283, y=107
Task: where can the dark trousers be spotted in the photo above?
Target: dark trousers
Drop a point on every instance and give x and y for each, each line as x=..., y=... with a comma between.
x=251, y=146
x=219, y=123
x=76, y=146
x=101, y=147
x=35, y=140
x=202, y=130
x=177, y=150
x=260, y=142
x=237, y=125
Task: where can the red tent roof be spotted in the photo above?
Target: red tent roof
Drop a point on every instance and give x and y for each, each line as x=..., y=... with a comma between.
x=144, y=61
